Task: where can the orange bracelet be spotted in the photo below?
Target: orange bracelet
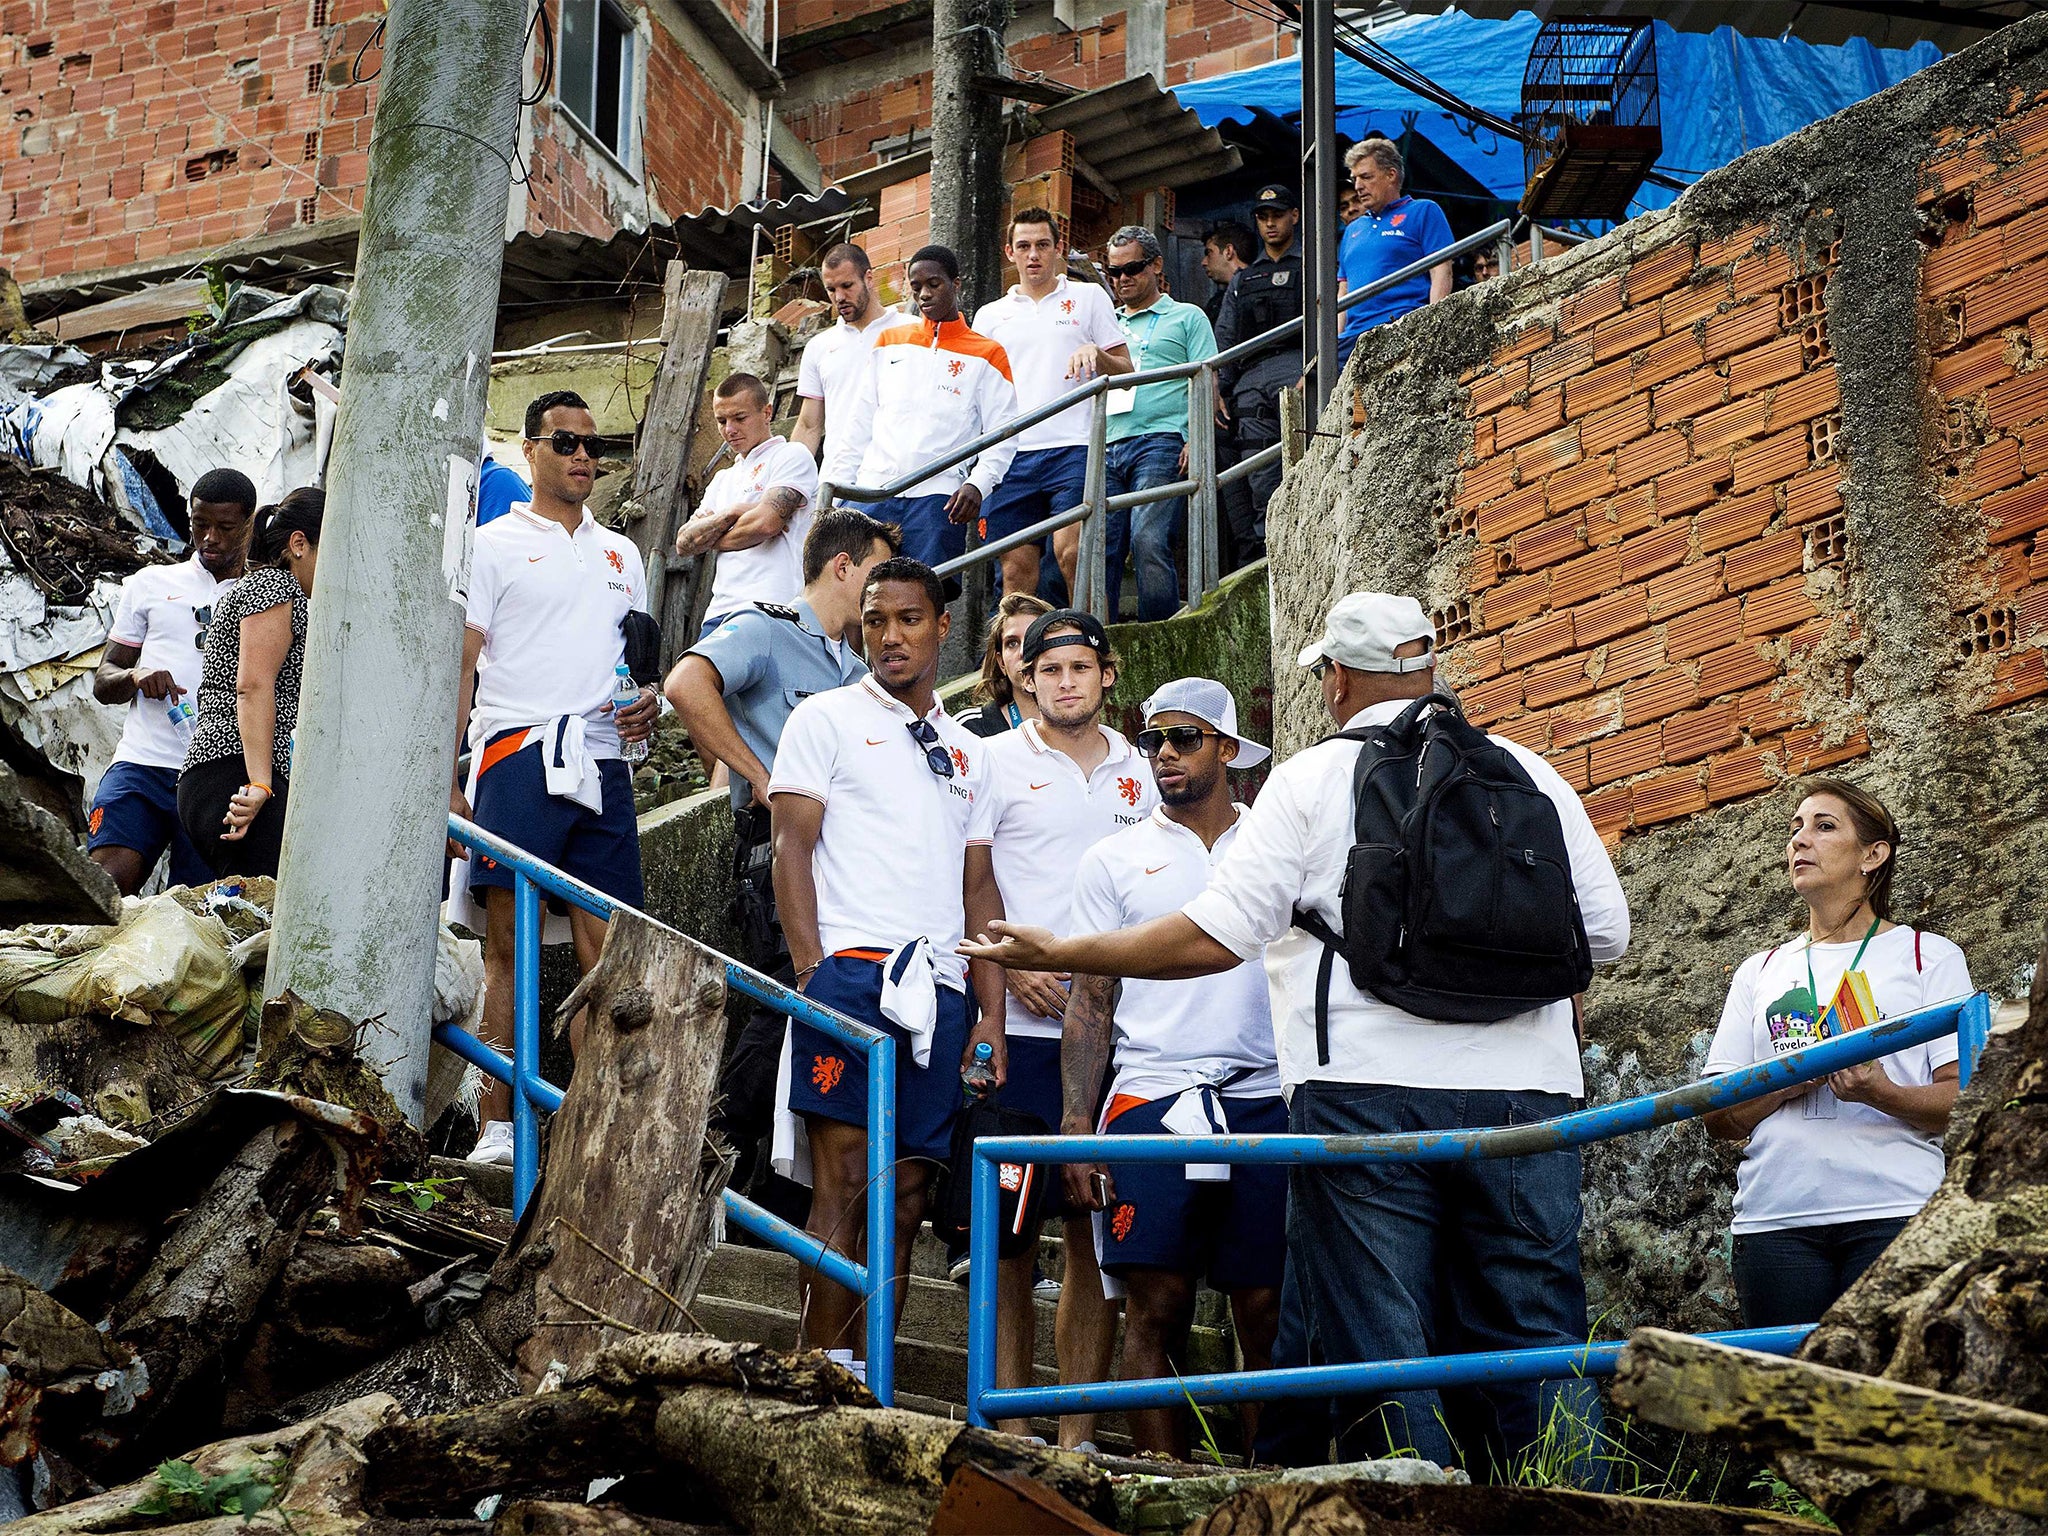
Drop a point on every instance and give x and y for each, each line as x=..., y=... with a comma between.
x=264, y=787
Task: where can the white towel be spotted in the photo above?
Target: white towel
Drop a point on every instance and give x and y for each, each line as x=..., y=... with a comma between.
x=572, y=773
x=1199, y=1112
x=789, y=1146
x=910, y=995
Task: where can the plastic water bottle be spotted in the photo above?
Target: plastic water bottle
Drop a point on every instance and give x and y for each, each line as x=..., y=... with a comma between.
x=624, y=692
x=978, y=1081
x=183, y=716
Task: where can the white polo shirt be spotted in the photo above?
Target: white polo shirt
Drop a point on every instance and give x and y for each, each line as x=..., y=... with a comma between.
x=891, y=857
x=1040, y=336
x=1290, y=851
x=1043, y=814
x=160, y=614
x=830, y=370
x=549, y=604
x=773, y=570
x=1174, y=1035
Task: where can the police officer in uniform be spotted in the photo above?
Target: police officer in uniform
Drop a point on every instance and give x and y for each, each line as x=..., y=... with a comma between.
x=1265, y=294
x=734, y=691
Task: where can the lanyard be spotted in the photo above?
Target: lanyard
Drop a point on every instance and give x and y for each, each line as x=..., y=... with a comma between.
x=1016, y=715
x=1812, y=988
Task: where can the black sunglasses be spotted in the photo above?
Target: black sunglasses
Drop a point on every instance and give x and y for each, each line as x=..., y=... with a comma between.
x=1129, y=268
x=936, y=758
x=1319, y=666
x=566, y=443
x=1185, y=738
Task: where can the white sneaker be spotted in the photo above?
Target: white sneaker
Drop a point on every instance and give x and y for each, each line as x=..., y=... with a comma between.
x=1045, y=1288
x=495, y=1145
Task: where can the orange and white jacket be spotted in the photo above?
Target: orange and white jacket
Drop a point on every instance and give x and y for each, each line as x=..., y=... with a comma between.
x=928, y=390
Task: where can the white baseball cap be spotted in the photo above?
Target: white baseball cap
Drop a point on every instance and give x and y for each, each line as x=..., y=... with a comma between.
x=1210, y=702
x=1365, y=629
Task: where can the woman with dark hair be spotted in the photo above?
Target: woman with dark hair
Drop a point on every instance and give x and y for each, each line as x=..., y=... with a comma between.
x=231, y=794
x=1831, y=1171
x=1004, y=706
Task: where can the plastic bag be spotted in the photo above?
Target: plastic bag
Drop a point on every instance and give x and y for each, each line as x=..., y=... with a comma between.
x=161, y=965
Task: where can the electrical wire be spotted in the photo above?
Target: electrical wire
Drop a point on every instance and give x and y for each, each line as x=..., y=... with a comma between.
x=547, y=55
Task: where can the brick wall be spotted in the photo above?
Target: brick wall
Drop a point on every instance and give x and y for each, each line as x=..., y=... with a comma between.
x=1203, y=38
x=140, y=130
x=1985, y=286
x=1653, y=499
x=1656, y=594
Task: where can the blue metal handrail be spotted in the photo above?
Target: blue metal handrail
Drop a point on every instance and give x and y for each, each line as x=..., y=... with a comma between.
x=874, y=1281
x=1968, y=1018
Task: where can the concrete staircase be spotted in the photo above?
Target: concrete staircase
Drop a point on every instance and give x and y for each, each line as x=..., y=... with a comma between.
x=752, y=1293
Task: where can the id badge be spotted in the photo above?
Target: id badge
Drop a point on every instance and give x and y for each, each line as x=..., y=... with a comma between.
x=1123, y=401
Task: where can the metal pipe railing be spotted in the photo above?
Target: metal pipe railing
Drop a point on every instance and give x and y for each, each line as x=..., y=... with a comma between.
x=1967, y=1018
x=532, y=1095
x=1202, y=484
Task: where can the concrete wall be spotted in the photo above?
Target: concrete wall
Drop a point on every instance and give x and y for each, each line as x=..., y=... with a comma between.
x=1749, y=488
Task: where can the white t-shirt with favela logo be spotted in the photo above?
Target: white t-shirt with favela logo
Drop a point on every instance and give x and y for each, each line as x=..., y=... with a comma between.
x=1817, y=1160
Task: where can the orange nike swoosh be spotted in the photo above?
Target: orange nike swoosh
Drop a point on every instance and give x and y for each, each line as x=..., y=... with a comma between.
x=1041, y=786
x=874, y=743
x=535, y=559
x=1154, y=871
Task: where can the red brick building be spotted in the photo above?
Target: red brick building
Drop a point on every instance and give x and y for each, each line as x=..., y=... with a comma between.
x=145, y=133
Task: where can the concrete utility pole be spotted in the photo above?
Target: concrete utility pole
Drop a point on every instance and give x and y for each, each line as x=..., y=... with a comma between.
x=359, y=889
x=969, y=191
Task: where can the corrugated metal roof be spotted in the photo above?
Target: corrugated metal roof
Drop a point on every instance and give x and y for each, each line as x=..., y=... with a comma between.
x=1137, y=135
x=1133, y=135
x=552, y=267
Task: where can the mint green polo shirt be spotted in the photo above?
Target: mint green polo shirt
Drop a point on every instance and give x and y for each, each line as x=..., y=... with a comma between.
x=1169, y=332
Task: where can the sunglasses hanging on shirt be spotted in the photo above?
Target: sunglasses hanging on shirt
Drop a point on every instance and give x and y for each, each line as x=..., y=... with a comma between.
x=936, y=758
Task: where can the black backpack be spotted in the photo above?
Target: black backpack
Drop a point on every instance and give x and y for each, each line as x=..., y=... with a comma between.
x=1023, y=1189
x=1458, y=901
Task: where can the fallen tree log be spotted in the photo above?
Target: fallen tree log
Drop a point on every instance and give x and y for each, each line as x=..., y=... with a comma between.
x=314, y=1468
x=1365, y=1508
x=201, y=1291
x=1953, y=1445
x=628, y=1203
x=542, y=1517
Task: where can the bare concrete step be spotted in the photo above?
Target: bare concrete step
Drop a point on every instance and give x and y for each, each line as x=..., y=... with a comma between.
x=934, y=1312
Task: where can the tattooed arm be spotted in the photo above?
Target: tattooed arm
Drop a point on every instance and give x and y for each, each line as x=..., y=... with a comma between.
x=1087, y=1040
x=768, y=517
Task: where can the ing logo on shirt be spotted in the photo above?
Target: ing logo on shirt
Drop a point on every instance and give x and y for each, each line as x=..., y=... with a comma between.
x=960, y=762
x=1129, y=789
x=617, y=563
x=826, y=1071
x=953, y=368
x=1123, y=1219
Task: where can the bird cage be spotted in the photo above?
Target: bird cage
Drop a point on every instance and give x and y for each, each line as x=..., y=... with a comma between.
x=1589, y=117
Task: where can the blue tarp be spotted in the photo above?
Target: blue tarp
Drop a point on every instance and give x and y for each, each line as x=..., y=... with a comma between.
x=1722, y=93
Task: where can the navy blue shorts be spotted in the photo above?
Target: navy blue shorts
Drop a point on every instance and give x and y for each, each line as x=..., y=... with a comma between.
x=829, y=1079
x=1033, y=1085
x=927, y=536
x=1040, y=484
x=137, y=807
x=512, y=801
x=1234, y=1232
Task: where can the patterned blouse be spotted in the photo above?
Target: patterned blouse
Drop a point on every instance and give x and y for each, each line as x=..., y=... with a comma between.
x=217, y=735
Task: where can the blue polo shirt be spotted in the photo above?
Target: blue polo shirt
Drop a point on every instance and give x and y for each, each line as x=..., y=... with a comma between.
x=770, y=658
x=1404, y=232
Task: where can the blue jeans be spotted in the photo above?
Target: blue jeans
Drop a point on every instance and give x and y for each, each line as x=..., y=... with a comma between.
x=1138, y=464
x=1795, y=1274
x=1398, y=1260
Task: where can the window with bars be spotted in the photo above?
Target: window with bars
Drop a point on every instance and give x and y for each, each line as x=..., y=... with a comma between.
x=595, y=74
